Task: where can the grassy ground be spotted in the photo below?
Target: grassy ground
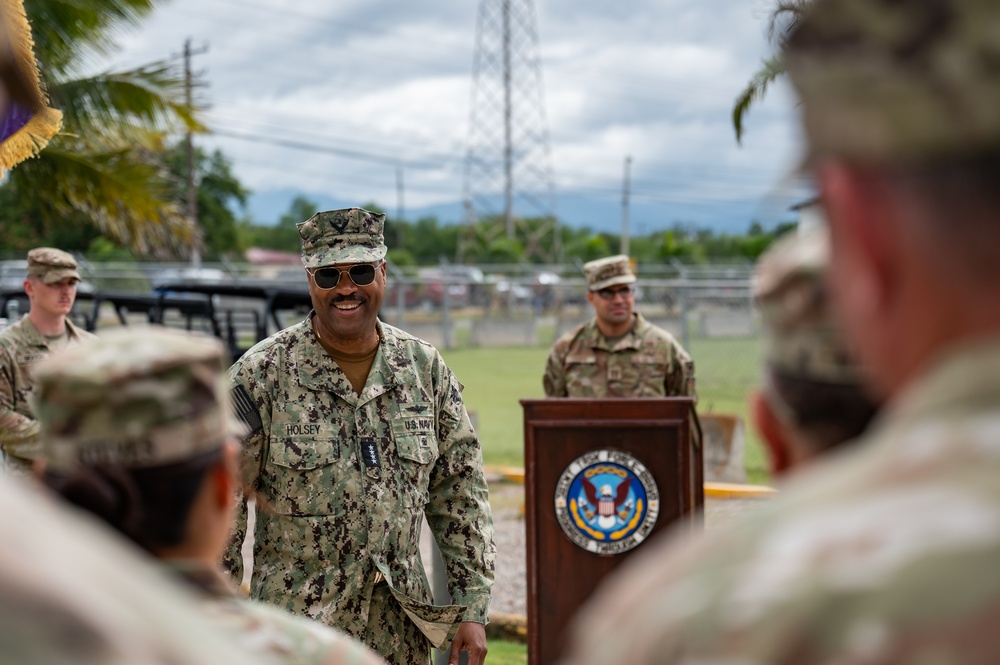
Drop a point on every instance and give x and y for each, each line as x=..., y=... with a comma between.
x=496, y=378
x=507, y=653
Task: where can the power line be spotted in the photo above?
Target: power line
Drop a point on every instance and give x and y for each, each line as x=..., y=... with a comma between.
x=342, y=152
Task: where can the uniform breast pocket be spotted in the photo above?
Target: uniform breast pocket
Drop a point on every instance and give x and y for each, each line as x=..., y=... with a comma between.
x=304, y=477
x=413, y=431
x=415, y=439
x=647, y=371
x=581, y=359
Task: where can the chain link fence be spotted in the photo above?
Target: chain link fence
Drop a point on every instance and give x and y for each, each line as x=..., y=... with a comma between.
x=708, y=308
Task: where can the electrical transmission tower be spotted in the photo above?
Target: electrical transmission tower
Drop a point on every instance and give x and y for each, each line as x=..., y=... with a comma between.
x=508, y=162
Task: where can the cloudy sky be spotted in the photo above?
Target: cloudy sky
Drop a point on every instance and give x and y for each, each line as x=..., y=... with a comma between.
x=372, y=84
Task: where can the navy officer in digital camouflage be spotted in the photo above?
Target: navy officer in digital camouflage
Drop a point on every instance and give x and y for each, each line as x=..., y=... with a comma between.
x=357, y=432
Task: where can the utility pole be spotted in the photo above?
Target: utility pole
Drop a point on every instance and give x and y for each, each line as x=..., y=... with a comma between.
x=400, y=210
x=399, y=193
x=508, y=150
x=625, y=193
x=192, y=190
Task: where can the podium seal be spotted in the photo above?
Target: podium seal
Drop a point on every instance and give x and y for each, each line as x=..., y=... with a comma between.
x=607, y=502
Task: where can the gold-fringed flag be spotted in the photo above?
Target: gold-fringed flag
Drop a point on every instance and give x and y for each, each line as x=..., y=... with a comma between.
x=26, y=121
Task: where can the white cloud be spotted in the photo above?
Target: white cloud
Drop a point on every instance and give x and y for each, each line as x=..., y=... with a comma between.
x=654, y=79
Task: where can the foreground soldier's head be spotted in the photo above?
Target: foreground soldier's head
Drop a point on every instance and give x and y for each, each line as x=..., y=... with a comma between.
x=136, y=428
x=899, y=103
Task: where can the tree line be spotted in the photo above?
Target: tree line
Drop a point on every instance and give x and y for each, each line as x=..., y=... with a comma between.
x=227, y=229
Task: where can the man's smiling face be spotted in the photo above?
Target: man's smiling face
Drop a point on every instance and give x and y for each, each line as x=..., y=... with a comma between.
x=348, y=311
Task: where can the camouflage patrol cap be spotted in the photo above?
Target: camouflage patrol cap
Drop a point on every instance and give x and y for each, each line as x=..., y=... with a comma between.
x=51, y=265
x=801, y=338
x=611, y=271
x=351, y=235
x=138, y=397
x=898, y=81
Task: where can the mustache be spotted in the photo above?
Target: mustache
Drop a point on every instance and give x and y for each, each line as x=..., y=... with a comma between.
x=350, y=298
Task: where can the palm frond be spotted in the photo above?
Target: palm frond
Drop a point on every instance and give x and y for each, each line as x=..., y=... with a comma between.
x=770, y=70
x=126, y=196
x=64, y=30
x=151, y=96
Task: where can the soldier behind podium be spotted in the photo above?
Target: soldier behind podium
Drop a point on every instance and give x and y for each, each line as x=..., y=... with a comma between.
x=617, y=353
x=813, y=396
x=885, y=552
x=136, y=429
x=51, y=289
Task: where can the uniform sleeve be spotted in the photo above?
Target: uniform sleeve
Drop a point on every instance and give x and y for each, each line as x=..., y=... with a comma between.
x=252, y=405
x=680, y=379
x=554, y=380
x=14, y=427
x=458, y=509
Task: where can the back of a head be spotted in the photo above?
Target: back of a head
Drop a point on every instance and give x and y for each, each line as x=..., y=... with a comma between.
x=130, y=424
x=72, y=593
x=909, y=91
x=811, y=381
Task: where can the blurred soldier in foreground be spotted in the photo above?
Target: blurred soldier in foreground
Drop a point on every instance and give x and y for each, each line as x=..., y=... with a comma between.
x=888, y=552
x=813, y=398
x=134, y=430
x=357, y=431
x=51, y=288
x=72, y=592
x=618, y=353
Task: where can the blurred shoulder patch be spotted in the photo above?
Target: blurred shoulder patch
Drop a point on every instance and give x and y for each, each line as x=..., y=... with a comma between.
x=246, y=409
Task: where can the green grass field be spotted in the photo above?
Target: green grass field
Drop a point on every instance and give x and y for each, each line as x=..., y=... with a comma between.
x=496, y=378
x=506, y=653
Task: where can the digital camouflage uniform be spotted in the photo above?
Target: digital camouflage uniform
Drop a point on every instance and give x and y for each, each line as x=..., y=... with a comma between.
x=21, y=346
x=646, y=362
x=885, y=552
x=343, y=481
x=150, y=397
x=72, y=592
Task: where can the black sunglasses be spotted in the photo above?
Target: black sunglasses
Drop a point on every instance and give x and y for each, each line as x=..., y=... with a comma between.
x=361, y=274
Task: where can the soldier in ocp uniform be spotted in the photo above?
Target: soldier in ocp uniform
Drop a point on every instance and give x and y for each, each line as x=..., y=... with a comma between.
x=51, y=289
x=136, y=429
x=357, y=432
x=618, y=353
x=886, y=551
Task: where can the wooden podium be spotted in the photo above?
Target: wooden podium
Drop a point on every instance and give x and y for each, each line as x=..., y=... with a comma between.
x=601, y=477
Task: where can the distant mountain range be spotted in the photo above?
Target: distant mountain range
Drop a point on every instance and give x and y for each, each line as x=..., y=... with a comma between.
x=576, y=210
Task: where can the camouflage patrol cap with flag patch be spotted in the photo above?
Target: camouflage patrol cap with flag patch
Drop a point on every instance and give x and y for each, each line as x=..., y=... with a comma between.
x=801, y=338
x=351, y=235
x=137, y=397
x=51, y=265
x=611, y=271
x=900, y=80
